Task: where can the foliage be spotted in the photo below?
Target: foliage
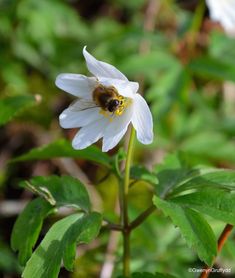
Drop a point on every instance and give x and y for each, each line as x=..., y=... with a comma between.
x=60, y=243
x=186, y=73
x=63, y=148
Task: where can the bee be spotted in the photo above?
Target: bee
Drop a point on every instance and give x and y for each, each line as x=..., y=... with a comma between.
x=108, y=98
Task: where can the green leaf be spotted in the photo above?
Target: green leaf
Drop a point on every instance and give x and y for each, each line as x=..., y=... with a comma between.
x=60, y=191
x=141, y=173
x=171, y=173
x=194, y=228
x=168, y=179
x=59, y=244
x=210, y=178
x=217, y=203
x=11, y=106
x=63, y=148
x=27, y=228
x=213, y=68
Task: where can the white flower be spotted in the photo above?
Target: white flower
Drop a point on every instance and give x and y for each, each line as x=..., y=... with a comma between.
x=107, y=103
x=223, y=11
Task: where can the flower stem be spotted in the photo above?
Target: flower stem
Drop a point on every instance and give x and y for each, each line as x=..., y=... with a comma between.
x=126, y=230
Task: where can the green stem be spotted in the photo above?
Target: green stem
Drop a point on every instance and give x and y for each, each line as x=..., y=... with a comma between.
x=140, y=219
x=197, y=22
x=126, y=230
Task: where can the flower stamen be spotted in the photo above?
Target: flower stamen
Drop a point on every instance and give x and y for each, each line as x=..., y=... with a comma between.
x=110, y=101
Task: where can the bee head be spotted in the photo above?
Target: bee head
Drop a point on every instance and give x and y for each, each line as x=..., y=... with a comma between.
x=113, y=105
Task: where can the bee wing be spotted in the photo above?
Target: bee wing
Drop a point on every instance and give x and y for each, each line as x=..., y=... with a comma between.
x=82, y=104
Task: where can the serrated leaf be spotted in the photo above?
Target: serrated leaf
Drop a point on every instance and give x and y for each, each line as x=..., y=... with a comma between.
x=212, y=178
x=174, y=178
x=141, y=173
x=63, y=148
x=168, y=179
x=217, y=203
x=171, y=173
x=59, y=244
x=194, y=228
x=27, y=228
x=62, y=191
x=11, y=106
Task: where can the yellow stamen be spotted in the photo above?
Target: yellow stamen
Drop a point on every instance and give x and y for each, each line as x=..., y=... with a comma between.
x=125, y=102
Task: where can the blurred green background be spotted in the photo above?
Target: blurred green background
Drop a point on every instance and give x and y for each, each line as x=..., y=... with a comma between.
x=185, y=65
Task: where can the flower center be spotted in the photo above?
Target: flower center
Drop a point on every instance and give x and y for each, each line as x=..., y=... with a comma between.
x=110, y=101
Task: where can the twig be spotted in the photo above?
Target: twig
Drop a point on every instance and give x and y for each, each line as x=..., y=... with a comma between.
x=112, y=226
x=221, y=241
x=224, y=236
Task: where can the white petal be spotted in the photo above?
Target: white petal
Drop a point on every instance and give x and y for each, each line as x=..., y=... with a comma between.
x=76, y=84
x=223, y=12
x=110, y=142
x=116, y=129
x=134, y=86
x=124, y=88
x=75, y=116
x=142, y=120
x=101, y=69
x=89, y=134
x=228, y=17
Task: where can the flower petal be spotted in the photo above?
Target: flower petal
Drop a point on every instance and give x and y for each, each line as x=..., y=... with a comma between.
x=116, y=129
x=134, y=86
x=77, y=116
x=89, y=134
x=76, y=84
x=223, y=12
x=124, y=88
x=102, y=69
x=142, y=120
x=110, y=142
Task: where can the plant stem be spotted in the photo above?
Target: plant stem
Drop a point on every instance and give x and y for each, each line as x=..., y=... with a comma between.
x=197, y=22
x=126, y=231
x=140, y=219
x=224, y=236
x=221, y=241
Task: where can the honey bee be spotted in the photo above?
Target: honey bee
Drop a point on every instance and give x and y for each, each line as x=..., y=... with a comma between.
x=108, y=98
